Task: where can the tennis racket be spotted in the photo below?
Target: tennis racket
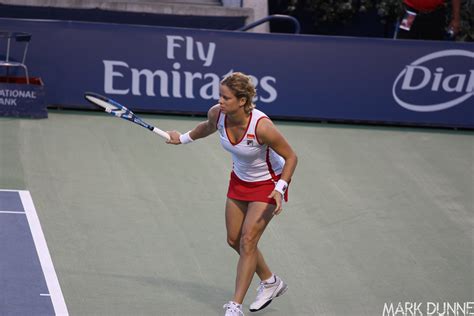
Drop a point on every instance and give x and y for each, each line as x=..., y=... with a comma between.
x=116, y=109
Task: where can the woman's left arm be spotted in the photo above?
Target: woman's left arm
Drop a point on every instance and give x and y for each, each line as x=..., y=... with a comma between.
x=268, y=134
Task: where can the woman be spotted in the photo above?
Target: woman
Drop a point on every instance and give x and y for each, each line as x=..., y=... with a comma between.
x=263, y=164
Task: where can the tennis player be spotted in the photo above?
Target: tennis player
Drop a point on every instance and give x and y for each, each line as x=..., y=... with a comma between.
x=263, y=164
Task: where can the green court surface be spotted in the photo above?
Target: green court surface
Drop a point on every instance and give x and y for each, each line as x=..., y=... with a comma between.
x=377, y=215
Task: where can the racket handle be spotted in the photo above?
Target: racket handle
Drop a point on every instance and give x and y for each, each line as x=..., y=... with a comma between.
x=161, y=133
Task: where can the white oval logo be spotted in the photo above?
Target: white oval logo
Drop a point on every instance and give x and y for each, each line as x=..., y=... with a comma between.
x=451, y=83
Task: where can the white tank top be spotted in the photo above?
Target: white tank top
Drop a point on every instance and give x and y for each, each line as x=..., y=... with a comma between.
x=253, y=161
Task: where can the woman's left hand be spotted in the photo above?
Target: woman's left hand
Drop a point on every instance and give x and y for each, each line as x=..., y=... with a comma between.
x=278, y=199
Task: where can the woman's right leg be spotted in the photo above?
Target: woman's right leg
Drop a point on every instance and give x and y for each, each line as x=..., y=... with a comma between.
x=234, y=218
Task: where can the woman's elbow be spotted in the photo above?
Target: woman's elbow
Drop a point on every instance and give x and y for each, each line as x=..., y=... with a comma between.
x=294, y=157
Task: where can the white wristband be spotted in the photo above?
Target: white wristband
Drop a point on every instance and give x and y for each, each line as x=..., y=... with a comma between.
x=281, y=186
x=185, y=138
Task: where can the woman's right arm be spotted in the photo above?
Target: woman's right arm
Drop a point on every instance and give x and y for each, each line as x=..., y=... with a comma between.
x=201, y=130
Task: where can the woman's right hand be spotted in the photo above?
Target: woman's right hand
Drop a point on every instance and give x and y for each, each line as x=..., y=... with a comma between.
x=174, y=137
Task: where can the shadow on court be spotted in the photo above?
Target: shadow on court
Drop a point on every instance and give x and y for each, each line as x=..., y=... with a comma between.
x=195, y=291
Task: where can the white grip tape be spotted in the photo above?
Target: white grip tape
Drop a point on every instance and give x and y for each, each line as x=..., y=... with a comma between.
x=185, y=138
x=161, y=133
x=281, y=186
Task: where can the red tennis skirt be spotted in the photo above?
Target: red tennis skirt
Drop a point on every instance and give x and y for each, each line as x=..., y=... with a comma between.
x=252, y=191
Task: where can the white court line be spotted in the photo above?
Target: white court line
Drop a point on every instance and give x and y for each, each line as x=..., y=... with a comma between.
x=11, y=212
x=43, y=253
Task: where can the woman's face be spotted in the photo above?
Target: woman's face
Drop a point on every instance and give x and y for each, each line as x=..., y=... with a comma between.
x=228, y=101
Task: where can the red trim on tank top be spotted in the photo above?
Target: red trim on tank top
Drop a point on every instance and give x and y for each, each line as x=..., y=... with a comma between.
x=243, y=135
x=256, y=124
x=269, y=165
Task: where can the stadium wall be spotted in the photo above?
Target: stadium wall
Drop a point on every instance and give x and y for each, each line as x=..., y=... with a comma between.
x=177, y=70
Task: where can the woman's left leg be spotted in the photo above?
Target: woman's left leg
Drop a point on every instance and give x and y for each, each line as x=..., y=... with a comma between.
x=256, y=220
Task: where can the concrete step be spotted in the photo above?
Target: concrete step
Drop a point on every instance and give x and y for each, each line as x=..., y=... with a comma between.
x=199, y=2
x=88, y=2
x=174, y=7
x=251, y=9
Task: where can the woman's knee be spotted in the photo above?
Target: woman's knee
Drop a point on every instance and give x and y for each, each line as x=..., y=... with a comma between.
x=248, y=243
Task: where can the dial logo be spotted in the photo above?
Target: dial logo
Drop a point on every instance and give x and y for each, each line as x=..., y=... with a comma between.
x=431, y=74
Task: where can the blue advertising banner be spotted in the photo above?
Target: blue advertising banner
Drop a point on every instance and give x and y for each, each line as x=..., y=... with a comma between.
x=161, y=69
x=18, y=99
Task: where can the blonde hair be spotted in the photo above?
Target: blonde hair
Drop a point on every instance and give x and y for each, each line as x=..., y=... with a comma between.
x=241, y=86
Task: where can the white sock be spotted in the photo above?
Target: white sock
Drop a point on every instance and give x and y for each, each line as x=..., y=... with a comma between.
x=271, y=279
x=238, y=305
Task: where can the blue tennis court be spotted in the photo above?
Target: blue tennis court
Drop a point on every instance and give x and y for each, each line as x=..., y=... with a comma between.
x=28, y=281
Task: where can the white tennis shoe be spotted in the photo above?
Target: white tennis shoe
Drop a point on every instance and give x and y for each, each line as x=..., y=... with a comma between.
x=233, y=309
x=266, y=292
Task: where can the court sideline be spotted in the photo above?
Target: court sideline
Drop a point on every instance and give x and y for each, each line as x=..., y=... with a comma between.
x=136, y=227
